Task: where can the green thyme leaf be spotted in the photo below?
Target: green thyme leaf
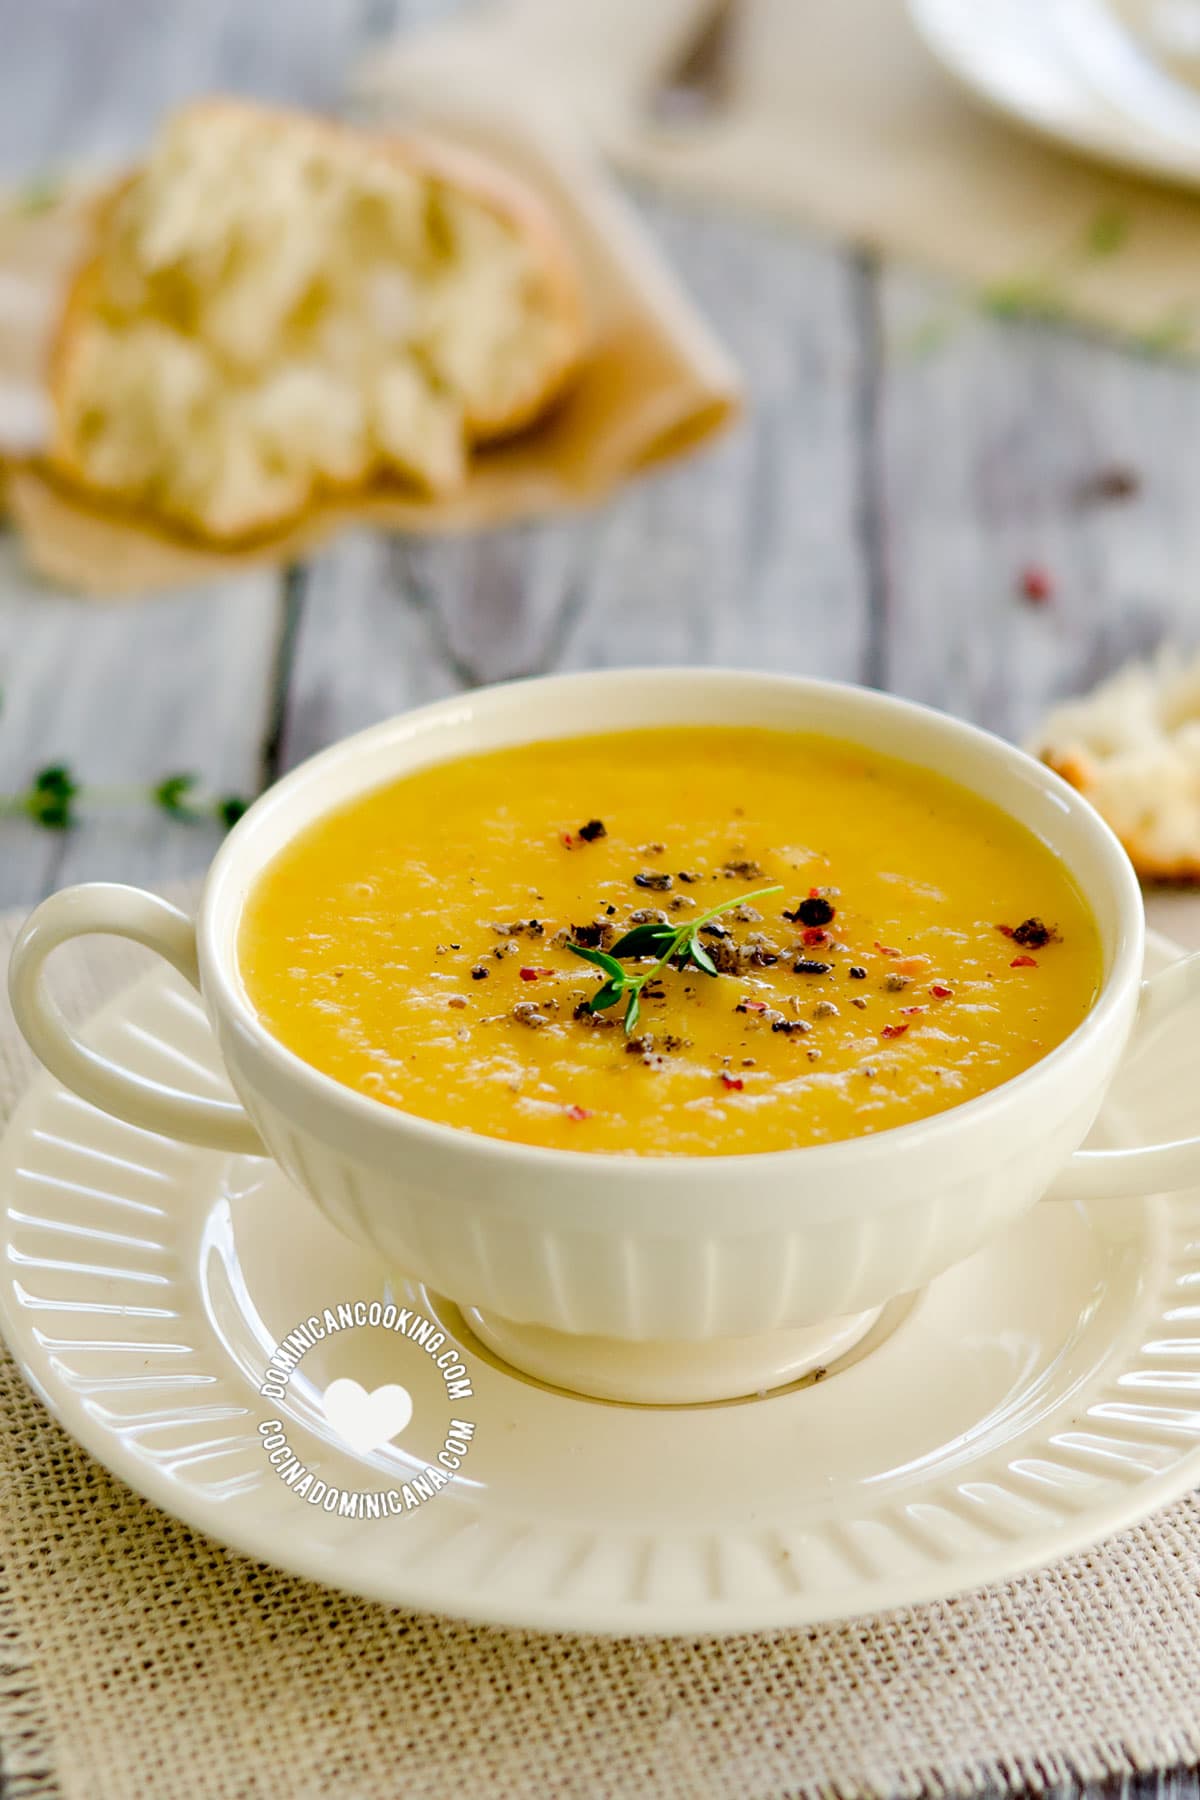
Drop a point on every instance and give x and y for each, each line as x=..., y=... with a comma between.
x=1023, y=296
x=39, y=194
x=49, y=801
x=645, y=940
x=55, y=779
x=700, y=958
x=1107, y=232
x=667, y=944
x=600, y=958
x=171, y=794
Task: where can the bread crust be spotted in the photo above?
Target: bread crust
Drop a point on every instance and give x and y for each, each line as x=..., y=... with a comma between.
x=1132, y=748
x=516, y=205
x=457, y=171
x=76, y=305
x=1179, y=871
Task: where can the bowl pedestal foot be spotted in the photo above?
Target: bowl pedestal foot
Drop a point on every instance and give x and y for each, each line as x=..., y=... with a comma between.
x=660, y=1372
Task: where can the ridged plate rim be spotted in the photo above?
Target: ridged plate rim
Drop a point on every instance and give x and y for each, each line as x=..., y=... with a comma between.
x=275, y=1534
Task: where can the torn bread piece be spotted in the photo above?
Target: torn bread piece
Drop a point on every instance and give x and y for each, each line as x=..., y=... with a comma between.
x=1133, y=748
x=275, y=307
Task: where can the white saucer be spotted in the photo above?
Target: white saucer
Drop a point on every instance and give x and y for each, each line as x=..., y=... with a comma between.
x=1067, y=70
x=1032, y=1400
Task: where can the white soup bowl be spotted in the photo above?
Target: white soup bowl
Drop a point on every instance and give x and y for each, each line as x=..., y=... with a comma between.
x=659, y=1279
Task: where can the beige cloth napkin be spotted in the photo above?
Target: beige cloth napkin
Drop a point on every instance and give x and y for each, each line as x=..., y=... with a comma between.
x=137, y=1658
x=656, y=384
x=840, y=117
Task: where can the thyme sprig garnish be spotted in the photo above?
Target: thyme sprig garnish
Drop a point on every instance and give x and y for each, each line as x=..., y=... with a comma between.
x=55, y=795
x=1048, y=294
x=666, y=944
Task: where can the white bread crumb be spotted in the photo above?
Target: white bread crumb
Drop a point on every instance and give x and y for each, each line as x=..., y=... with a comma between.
x=1133, y=748
x=276, y=306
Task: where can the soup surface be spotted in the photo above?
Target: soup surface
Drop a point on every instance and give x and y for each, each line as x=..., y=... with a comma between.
x=923, y=946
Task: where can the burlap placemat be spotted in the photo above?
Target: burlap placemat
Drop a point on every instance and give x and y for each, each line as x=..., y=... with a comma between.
x=138, y=1659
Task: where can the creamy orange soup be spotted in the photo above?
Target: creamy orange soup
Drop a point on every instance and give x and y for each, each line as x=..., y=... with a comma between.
x=922, y=946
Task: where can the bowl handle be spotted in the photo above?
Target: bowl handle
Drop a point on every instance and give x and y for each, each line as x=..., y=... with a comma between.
x=128, y=912
x=1152, y=1168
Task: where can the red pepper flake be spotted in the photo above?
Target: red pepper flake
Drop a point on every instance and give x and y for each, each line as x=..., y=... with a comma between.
x=893, y=1031
x=751, y=1006
x=912, y=1009
x=1005, y=930
x=1036, y=584
x=732, y=1081
x=528, y=974
x=814, y=934
x=885, y=949
x=940, y=991
x=577, y=1113
x=1022, y=962
x=568, y=840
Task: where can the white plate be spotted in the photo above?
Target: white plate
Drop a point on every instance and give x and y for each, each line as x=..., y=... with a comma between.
x=1031, y=1401
x=1068, y=70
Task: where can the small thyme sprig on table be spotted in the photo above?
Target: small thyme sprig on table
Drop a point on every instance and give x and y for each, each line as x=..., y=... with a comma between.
x=53, y=797
x=666, y=944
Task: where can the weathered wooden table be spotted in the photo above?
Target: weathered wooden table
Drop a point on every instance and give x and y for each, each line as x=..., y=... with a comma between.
x=869, y=522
